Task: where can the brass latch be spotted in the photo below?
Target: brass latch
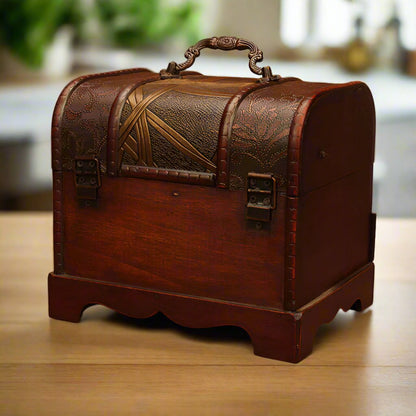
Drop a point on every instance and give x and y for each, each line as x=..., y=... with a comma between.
x=261, y=196
x=87, y=180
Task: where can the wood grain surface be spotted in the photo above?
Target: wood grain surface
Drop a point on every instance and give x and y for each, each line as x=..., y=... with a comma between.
x=362, y=363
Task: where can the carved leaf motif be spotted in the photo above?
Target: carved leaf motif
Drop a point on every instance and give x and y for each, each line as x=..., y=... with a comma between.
x=260, y=137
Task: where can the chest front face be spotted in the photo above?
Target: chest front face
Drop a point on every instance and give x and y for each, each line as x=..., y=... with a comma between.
x=166, y=212
x=198, y=185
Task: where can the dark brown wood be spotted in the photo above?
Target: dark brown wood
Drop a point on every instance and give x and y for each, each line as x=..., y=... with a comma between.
x=95, y=118
x=177, y=237
x=169, y=230
x=275, y=333
x=355, y=293
x=330, y=159
x=341, y=145
x=339, y=213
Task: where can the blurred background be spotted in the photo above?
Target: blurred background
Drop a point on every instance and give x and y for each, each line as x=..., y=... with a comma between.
x=46, y=43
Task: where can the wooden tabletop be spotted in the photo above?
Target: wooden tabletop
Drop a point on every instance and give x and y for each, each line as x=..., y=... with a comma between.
x=362, y=363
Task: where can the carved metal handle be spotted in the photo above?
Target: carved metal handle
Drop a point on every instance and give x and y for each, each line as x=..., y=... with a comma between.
x=225, y=43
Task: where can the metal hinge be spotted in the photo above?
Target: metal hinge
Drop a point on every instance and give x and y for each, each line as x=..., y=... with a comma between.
x=87, y=180
x=261, y=197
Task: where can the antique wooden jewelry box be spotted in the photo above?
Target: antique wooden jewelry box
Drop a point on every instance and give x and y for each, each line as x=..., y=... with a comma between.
x=214, y=200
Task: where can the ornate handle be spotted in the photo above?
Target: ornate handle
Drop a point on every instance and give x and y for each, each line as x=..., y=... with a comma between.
x=225, y=43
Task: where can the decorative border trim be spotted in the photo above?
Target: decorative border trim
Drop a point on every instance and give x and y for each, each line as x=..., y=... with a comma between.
x=293, y=173
x=225, y=130
x=170, y=175
x=290, y=268
x=58, y=237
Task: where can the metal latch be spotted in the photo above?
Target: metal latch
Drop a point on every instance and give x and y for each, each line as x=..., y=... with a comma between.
x=261, y=196
x=87, y=179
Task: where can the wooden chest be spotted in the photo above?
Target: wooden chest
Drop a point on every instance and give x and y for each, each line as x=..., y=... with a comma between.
x=214, y=200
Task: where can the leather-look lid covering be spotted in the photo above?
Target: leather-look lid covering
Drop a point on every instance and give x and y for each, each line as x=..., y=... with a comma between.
x=80, y=120
x=174, y=125
x=216, y=128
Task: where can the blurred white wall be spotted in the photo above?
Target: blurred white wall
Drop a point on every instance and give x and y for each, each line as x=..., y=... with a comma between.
x=257, y=21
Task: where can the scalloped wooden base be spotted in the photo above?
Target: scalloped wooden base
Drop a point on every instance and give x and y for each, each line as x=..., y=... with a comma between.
x=277, y=334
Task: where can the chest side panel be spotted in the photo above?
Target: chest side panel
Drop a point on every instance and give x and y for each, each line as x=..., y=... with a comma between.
x=175, y=237
x=334, y=219
x=338, y=136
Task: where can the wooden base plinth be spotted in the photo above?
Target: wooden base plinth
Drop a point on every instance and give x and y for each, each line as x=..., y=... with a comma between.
x=277, y=334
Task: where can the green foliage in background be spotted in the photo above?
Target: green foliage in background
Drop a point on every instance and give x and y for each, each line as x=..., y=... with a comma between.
x=132, y=23
x=27, y=27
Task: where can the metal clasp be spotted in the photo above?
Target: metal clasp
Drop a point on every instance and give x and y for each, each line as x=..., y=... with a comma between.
x=87, y=179
x=261, y=196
